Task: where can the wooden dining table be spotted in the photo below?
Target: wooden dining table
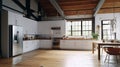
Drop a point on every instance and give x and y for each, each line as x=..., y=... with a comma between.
x=100, y=44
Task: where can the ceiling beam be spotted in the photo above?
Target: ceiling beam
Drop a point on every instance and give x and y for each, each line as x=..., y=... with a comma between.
x=57, y=7
x=99, y=5
x=27, y=7
x=19, y=4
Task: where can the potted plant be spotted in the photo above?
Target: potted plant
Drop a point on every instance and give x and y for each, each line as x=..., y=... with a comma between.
x=95, y=36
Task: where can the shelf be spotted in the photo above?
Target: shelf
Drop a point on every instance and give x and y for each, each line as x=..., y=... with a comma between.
x=55, y=28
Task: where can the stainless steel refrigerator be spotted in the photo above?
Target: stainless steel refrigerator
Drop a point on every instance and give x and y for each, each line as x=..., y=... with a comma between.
x=15, y=40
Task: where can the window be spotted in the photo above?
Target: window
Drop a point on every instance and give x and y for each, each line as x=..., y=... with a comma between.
x=107, y=33
x=79, y=28
x=86, y=28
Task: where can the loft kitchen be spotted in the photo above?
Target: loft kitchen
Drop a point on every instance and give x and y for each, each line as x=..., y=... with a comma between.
x=48, y=31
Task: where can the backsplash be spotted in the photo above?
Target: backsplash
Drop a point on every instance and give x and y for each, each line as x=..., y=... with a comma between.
x=36, y=36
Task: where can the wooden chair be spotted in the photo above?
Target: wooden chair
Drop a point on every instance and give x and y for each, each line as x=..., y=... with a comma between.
x=112, y=51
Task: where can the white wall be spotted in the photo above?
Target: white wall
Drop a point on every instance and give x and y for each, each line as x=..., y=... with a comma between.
x=44, y=27
x=100, y=17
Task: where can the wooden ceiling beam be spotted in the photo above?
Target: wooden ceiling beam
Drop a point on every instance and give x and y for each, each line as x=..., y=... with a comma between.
x=78, y=7
x=110, y=10
x=57, y=7
x=78, y=12
x=111, y=1
x=101, y=2
x=116, y=4
x=77, y=3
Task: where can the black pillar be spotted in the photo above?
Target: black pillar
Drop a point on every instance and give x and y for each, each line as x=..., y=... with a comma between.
x=0, y=23
x=28, y=8
x=39, y=12
x=93, y=24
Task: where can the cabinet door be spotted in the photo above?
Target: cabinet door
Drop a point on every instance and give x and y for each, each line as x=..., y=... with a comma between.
x=30, y=26
x=25, y=46
x=70, y=44
x=84, y=44
x=42, y=44
x=15, y=19
x=30, y=45
x=38, y=44
x=67, y=44
x=11, y=18
x=62, y=44
x=78, y=44
x=45, y=44
x=19, y=20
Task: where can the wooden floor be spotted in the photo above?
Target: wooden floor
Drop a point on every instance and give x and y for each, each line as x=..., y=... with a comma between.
x=56, y=58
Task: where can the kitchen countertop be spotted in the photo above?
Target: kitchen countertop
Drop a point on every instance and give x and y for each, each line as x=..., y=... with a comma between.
x=78, y=39
x=37, y=39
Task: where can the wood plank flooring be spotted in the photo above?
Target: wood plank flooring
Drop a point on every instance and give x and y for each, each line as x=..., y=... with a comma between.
x=56, y=58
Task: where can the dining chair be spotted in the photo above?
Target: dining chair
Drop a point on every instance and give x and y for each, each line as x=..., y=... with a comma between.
x=115, y=51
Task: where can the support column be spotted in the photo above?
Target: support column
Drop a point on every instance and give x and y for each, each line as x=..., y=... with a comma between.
x=39, y=12
x=28, y=8
x=0, y=24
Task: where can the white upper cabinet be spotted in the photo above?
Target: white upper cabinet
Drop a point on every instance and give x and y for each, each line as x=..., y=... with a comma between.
x=29, y=26
x=11, y=18
x=15, y=19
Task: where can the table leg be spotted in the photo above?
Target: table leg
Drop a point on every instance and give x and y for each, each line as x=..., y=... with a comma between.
x=93, y=46
x=98, y=52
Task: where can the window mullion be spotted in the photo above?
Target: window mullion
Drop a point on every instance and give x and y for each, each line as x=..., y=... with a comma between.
x=71, y=29
x=81, y=27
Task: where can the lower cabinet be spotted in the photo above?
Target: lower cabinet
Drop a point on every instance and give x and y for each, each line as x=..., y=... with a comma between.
x=76, y=44
x=46, y=44
x=67, y=44
x=30, y=45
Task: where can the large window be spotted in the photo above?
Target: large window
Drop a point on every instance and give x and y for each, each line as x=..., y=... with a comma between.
x=79, y=28
x=107, y=32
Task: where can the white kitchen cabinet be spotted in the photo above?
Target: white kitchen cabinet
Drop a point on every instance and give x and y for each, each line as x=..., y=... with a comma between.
x=15, y=19
x=30, y=45
x=46, y=44
x=19, y=20
x=26, y=46
x=11, y=18
x=30, y=26
x=83, y=44
x=76, y=44
x=67, y=44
